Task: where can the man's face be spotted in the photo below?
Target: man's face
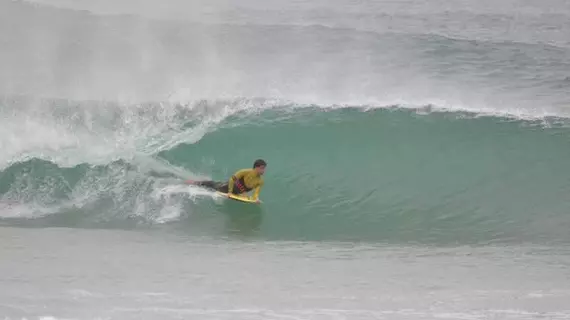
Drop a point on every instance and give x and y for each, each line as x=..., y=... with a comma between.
x=260, y=170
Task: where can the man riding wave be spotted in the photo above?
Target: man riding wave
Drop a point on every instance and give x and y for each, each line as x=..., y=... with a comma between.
x=242, y=181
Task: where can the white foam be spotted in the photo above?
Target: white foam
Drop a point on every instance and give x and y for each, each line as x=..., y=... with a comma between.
x=101, y=133
x=172, y=209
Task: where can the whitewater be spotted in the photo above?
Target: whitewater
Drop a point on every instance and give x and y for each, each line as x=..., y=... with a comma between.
x=417, y=159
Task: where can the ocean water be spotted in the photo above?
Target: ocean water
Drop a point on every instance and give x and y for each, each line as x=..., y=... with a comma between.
x=417, y=159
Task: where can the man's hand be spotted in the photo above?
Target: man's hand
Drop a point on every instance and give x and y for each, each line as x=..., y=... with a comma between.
x=257, y=201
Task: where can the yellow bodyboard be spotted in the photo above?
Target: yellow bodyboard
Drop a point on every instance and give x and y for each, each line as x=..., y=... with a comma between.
x=238, y=198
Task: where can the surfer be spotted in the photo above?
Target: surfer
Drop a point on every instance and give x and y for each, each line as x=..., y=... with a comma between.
x=242, y=181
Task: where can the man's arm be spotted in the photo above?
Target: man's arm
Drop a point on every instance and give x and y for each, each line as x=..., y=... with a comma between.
x=257, y=190
x=256, y=194
x=238, y=175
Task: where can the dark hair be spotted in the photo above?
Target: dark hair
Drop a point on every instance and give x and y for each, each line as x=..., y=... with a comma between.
x=259, y=163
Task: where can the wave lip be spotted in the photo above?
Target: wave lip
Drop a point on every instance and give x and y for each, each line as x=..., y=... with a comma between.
x=73, y=132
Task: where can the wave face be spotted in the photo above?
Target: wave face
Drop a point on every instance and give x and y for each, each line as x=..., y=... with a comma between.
x=350, y=173
x=372, y=132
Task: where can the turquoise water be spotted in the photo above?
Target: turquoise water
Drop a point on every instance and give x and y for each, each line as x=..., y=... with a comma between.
x=387, y=175
x=417, y=159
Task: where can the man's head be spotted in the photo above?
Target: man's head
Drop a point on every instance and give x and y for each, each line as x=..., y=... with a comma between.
x=259, y=166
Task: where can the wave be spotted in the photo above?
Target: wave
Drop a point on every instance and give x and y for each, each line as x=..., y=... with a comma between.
x=358, y=173
x=70, y=132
